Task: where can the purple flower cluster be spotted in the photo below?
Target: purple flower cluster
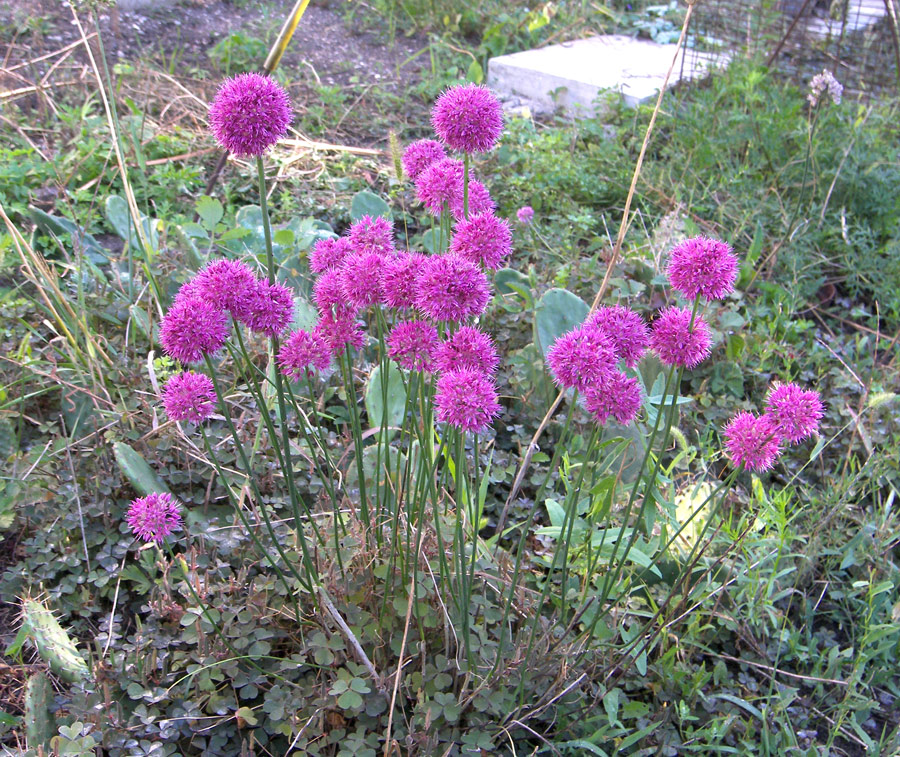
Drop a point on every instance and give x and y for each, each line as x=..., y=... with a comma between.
x=301, y=353
x=680, y=338
x=703, y=267
x=467, y=399
x=189, y=396
x=483, y=239
x=154, y=517
x=249, y=114
x=792, y=415
x=468, y=118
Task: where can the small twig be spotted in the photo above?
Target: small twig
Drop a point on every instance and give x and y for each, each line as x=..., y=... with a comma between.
x=87, y=557
x=350, y=636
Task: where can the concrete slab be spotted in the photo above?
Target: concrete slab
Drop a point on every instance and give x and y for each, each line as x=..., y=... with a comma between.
x=573, y=74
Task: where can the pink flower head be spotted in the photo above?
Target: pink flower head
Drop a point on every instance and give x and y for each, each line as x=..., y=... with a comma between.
x=752, y=441
x=525, y=215
x=190, y=290
x=189, y=396
x=360, y=277
x=339, y=332
x=328, y=294
x=703, y=267
x=675, y=342
x=450, y=288
x=618, y=396
x=193, y=328
x=466, y=399
x=227, y=284
x=582, y=358
x=249, y=114
x=483, y=239
x=480, y=201
x=329, y=253
x=822, y=83
x=440, y=185
x=794, y=411
x=468, y=348
x=625, y=328
x=412, y=344
x=421, y=154
x=399, y=280
x=270, y=309
x=372, y=235
x=301, y=352
x=468, y=118
x=154, y=517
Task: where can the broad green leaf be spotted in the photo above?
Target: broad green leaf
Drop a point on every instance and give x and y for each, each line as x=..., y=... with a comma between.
x=210, y=211
x=367, y=203
x=557, y=312
x=137, y=471
x=385, y=401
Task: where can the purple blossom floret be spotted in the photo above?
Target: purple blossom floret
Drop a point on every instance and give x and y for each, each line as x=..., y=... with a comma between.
x=483, y=239
x=675, y=342
x=525, y=215
x=412, y=345
x=193, y=328
x=154, y=517
x=329, y=253
x=480, y=201
x=361, y=279
x=466, y=399
x=795, y=411
x=440, y=185
x=421, y=154
x=249, y=114
x=625, y=328
x=703, y=267
x=372, y=235
x=450, y=288
x=270, y=309
x=468, y=118
x=189, y=396
x=752, y=441
x=328, y=294
x=227, y=284
x=301, y=353
x=619, y=396
x=582, y=358
x=190, y=290
x=399, y=279
x=822, y=83
x=469, y=348
x=339, y=332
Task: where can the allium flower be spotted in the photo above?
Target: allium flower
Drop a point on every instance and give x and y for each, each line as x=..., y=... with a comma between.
x=483, y=239
x=525, y=215
x=154, y=517
x=794, y=411
x=339, y=331
x=189, y=396
x=468, y=118
x=227, y=284
x=703, y=267
x=193, y=328
x=450, y=288
x=270, y=309
x=822, y=83
x=469, y=348
x=328, y=294
x=480, y=201
x=625, y=328
x=399, y=279
x=412, y=344
x=301, y=352
x=582, y=358
x=249, y=114
x=675, y=342
x=618, y=396
x=421, y=154
x=466, y=399
x=190, y=290
x=440, y=185
x=372, y=235
x=361, y=279
x=752, y=441
x=329, y=253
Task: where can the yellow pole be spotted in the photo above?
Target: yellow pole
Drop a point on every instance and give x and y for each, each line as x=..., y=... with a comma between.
x=284, y=36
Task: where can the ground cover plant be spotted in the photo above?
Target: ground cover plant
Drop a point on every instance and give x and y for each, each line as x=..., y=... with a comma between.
x=425, y=452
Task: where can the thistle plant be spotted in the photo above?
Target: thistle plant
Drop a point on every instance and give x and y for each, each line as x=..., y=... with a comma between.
x=396, y=312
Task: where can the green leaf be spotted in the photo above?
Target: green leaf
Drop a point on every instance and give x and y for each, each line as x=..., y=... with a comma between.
x=247, y=715
x=510, y=281
x=367, y=203
x=57, y=226
x=136, y=470
x=475, y=74
x=350, y=700
x=557, y=312
x=120, y=219
x=210, y=211
x=431, y=241
x=385, y=414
